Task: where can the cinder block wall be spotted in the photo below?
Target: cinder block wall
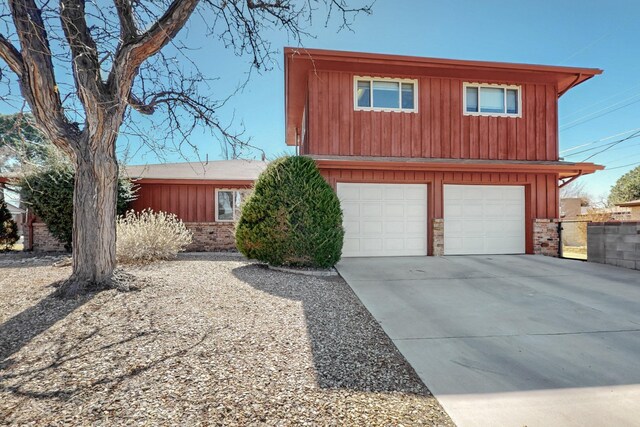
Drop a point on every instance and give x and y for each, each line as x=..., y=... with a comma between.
x=615, y=243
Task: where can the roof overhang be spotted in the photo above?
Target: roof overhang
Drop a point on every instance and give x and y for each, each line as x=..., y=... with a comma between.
x=563, y=169
x=299, y=62
x=216, y=182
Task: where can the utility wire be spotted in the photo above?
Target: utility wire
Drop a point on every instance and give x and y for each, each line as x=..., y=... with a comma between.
x=613, y=144
x=620, y=167
x=610, y=144
x=575, y=147
x=578, y=121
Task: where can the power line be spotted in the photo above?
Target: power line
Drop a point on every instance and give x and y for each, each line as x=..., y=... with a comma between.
x=575, y=147
x=620, y=167
x=603, y=101
x=609, y=145
x=589, y=118
x=613, y=144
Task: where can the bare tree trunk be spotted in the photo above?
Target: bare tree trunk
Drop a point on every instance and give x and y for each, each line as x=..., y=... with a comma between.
x=94, y=217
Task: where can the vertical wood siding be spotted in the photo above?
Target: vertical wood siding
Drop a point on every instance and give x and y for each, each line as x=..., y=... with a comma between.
x=438, y=130
x=190, y=202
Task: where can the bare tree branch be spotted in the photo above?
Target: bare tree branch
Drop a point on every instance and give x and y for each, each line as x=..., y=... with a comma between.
x=11, y=56
x=84, y=57
x=128, y=29
x=131, y=55
x=37, y=82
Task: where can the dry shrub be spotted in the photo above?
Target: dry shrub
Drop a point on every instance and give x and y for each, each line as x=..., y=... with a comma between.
x=593, y=215
x=149, y=236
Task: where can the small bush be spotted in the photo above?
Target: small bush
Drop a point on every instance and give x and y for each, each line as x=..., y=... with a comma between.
x=48, y=191
x=292, y=218
x=8, y=228
x=149, y=236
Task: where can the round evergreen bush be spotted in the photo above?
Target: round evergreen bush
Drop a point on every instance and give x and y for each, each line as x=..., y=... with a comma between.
x=292, y=218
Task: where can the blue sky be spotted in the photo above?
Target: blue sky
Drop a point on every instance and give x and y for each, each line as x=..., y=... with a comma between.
x=589, y=33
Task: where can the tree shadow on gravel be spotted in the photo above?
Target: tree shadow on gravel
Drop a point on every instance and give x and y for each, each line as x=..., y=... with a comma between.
x=20, y=329
x=350, y=349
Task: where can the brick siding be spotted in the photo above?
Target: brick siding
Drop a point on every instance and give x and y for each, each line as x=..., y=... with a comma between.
x=43, y=240
x=212, y=236
x=545, y=237
x=438, y=236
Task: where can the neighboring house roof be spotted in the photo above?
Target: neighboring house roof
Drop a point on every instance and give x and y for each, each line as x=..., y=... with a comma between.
x=219, y=170
x=300, y=62
x=630, y=204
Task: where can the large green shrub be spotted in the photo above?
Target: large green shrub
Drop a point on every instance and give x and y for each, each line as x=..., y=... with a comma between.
x=8, y=228
x=48, y=192
x=293, y=217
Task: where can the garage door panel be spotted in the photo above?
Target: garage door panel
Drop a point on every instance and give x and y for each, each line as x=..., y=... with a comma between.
x=371, y=193
x=484, y=219
x=368, y=209
x=371, y=227
x=393, y=227
x=393, y=210
x=384, y=219
x=416, y=227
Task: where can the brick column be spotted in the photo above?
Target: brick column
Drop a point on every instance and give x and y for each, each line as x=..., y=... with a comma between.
x=545, y=237
x=437, y=231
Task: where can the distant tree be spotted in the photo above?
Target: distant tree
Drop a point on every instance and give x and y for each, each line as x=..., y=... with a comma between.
x=22, y=145
x=626, y=188
x=576, y=190
x=82, y=67
x=8, y=227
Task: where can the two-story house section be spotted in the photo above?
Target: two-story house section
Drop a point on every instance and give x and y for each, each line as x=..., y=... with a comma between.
x=434, y=156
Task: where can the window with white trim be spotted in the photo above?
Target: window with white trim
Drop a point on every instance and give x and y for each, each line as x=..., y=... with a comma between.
x=492, y=100
x=228, y=203
x=385, y=94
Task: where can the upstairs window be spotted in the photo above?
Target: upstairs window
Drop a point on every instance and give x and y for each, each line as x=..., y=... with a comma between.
x=228, y=204
x=385, y=94
x=492, y=100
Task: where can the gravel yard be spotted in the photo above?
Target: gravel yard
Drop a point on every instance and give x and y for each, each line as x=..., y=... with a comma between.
x=206, y=341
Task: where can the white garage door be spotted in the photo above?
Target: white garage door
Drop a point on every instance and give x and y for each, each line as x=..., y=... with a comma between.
x=384, y=219
x=484, y=219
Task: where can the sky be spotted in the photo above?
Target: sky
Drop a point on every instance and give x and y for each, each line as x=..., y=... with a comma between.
x=583, y=33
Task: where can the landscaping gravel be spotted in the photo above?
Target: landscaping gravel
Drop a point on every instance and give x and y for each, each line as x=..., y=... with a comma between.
x=207, y=340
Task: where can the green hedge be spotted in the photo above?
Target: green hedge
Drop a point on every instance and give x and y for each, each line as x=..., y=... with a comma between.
x=49, y=193
x=292, y=218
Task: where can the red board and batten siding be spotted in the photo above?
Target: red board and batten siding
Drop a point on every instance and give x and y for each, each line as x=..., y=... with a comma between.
x=541, y=190
x=438, y=129
x=190, y=202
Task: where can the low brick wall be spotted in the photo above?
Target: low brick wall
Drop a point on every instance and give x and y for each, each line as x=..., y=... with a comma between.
x=207, y=237
x=545, y=237
x=43, y=240
x=614, y=243
x=212, y=236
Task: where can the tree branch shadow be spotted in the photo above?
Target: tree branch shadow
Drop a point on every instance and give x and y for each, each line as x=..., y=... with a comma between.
x=19, y=330
x=350, y=349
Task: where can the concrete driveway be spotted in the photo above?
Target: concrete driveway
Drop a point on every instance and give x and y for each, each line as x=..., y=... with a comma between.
x=512, y=340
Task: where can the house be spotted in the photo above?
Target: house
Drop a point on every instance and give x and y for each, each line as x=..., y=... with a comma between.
x=634, y=209
x=205, y=196
x=434, y=156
